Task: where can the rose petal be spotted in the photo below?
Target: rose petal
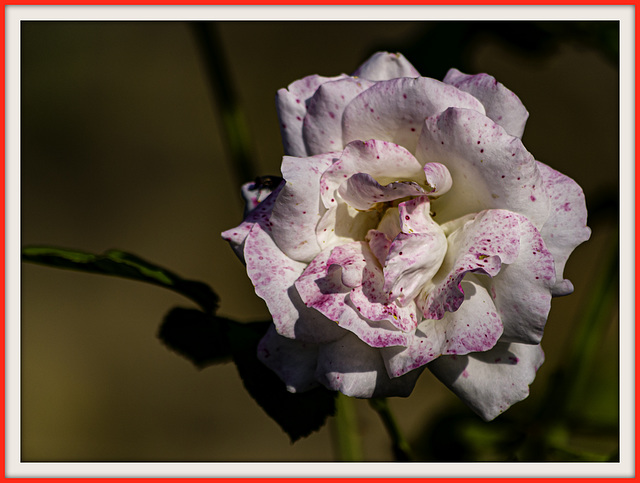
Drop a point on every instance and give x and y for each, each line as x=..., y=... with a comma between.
x=474, y=327
x=566, y=227
x=362, y=191
x=357, y=370
x=522, y=289
x=384, y=66
x=260, y=214
x=385, y=162
x=438, y=178
x=490, y=382
x=489, y=168
x=482, y=245
x=273, y=275
x=395, y=110
x=293, y=361
x=321, y=288
x=501, y=105
x=298, y=208
x=322, y=127
x=291, y=105
x=343, y=224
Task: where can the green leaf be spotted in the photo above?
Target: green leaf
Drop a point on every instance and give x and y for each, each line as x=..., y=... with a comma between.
x=123, y=264
x=200, y=337
x=297, y=414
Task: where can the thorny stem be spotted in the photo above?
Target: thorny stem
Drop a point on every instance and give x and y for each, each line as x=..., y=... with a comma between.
x=348, y=445
x=401, y=449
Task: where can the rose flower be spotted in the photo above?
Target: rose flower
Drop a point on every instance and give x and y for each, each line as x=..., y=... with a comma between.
x=412, y=229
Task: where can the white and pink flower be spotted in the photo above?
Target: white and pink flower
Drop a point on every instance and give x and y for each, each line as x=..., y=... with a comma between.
x=412, y=229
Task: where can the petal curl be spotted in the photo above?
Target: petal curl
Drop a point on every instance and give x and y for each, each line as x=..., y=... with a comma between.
x=502, y=105
x=273, y=274
x=350, y=366
x=395, y=110
x=384, y=66
x=291, y=105
x=474, y=327
x=566, y=227
x=489, y=168
x=293, y=361
x=322, y=126
x=298, y=208
x=362, y=191
x=490, y=382
x=481, y=245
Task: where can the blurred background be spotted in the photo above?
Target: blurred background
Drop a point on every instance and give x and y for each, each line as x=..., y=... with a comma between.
x=123, y=147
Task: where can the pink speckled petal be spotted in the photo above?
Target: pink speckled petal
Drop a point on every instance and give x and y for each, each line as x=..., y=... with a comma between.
x=474, y=327
x=352, y=367
x=273, y=275
x=384, y=66
x=260, y=214
x=522, y=289
x=322, y=127
x=379, y=245
x=490, y=382
x=395, y=110
x=293, y=361
x=416, y=254
x=438, y=178
x=489, y=168
x=482, y=245
x=385, y=162
x=291, y=104
x=362, y=191
x=321, y=288
x=502, y=105
x=298, y=208
x=566, y=227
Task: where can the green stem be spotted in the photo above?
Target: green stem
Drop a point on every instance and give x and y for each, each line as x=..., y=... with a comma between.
x=236, y=132
x=401, y=449
x=348, y=445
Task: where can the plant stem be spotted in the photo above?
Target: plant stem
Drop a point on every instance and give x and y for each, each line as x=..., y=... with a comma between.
x=401, y=449
x=348, y=445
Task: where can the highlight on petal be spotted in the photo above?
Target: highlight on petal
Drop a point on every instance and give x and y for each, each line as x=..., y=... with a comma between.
x=291, y=105
x=474, y=327
x=566, y=227
x=481, y=245
x=273, y=274
x=298, y=209
x=501, y=105
x=384, y=66
x=357, y=370
x=492, y=381
x=395, y=110
x=293, y=361
x=489, y=168
x=322, y=126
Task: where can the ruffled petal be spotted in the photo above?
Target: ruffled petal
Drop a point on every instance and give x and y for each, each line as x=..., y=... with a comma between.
x=566, y=227
x=321, y=287
x=522, y=289
x=438, y=179
x=384, y=66
x=502, y=105
x=362, y=191
x=482, y=245
x=322, y=127
x=293, y=361
x=395, y=110
x=298, y=208
x=291, y=105
x=343, y=224
x=357, y=370
x=490, y=382
x=273, y=275
x=474, y=327
x=260, y=214
x=489, y=168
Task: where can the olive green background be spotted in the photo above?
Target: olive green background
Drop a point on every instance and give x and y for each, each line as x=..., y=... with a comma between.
x=122, y=147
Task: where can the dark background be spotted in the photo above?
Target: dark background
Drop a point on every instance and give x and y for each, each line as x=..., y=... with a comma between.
x=122, y=147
